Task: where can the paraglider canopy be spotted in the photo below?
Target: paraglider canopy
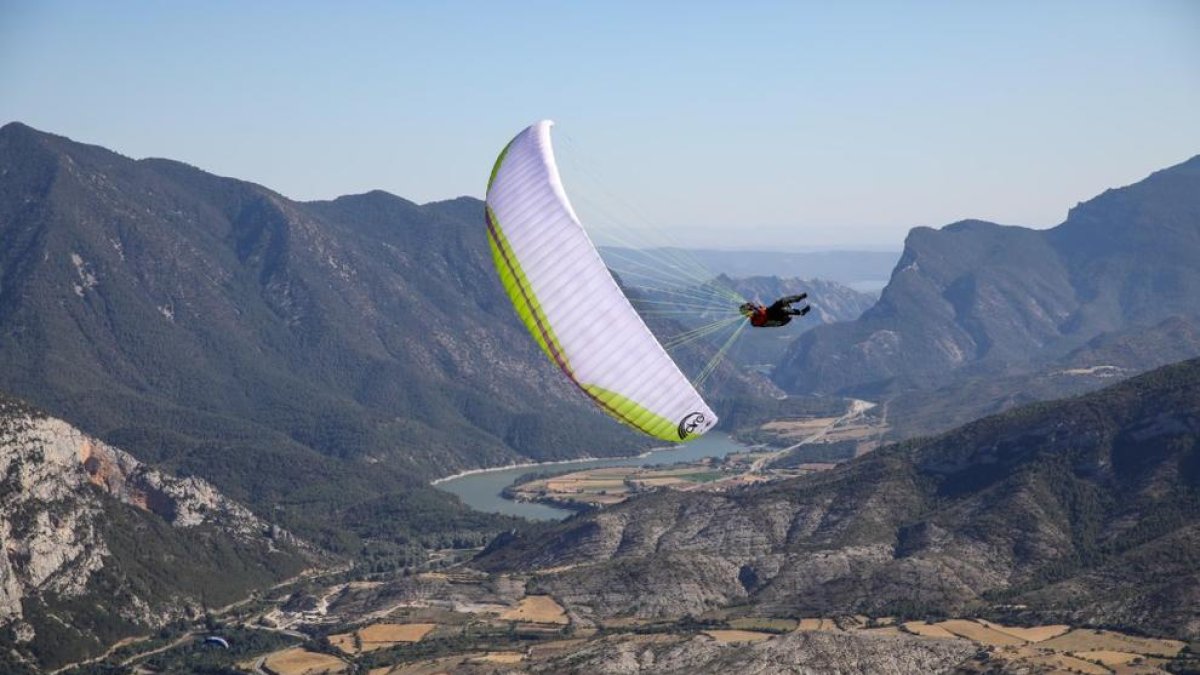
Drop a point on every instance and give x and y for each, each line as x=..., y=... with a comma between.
x=215, y=640
x=570, y=303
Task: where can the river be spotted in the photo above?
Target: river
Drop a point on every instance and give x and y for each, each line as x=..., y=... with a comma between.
x=481, y=491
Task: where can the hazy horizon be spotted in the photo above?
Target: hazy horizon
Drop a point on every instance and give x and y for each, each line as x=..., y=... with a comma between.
x=758, y=125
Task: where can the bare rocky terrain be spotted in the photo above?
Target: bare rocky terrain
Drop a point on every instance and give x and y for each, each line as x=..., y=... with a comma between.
x=1083, y=510
x=98, y=546
x=978, y=298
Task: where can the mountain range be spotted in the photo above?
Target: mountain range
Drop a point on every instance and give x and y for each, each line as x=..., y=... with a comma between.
x=861, y=270
x=318, y=361
x=1085, y=510
x=226, y=386
x=977, y=298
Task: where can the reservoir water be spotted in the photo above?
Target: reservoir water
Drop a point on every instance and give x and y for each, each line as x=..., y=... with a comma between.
x=481, y=491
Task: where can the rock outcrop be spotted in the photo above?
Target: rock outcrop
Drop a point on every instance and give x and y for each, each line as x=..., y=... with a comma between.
x=69, y=505
x=980, y=297
x=1081, y=510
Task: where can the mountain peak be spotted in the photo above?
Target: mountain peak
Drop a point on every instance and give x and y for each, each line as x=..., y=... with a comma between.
x=970, y=225
x=17, y=128
x=974, y=294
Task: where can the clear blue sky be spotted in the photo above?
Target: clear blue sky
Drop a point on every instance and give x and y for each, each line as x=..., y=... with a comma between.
x=755, y=123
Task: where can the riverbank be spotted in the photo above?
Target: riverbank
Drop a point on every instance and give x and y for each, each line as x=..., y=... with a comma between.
x=525, y=465
x=481, y=488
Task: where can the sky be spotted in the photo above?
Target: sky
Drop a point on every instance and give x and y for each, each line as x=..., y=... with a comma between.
x=789, y=125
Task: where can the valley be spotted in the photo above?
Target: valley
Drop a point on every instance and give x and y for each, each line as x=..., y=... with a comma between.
x=716, y=590
x=233, y=406
x=462, y=620
x=787, y=448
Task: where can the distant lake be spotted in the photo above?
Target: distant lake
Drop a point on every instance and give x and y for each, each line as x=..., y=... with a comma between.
x=481, y=491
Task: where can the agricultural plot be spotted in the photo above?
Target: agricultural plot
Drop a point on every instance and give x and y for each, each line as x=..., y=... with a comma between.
x=883, y=630
x=613, y=485
x=928, y=630
x=817, y=624
x=537, y=609
x=798, y=429
x=380, y=636
x=764, y=624
x=1035, y=634
x=738, y=635
x=300, y=661
x=1066, y=663
x=446, y=664
x=1108, y=657
x=500, y=657
x=980, y=633
x=1086, y=640
x=554, y=648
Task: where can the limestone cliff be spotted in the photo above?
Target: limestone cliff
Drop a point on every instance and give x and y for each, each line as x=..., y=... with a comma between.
x=80, y=518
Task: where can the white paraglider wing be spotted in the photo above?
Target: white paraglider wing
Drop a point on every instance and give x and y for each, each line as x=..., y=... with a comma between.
x=570, y=302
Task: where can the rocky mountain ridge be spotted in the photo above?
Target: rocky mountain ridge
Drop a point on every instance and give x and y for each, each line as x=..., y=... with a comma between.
x=980, y=298
x=318, y=361
x=1083, y=510
x=63, y=495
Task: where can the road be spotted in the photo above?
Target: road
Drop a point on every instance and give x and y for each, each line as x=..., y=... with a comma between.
x=310, y=573
x=856, y=409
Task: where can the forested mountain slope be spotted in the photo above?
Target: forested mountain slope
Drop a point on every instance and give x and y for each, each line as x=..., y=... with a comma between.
x=320, y=361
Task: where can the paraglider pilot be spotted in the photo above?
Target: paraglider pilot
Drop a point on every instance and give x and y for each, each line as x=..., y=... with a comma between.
x=779, y=313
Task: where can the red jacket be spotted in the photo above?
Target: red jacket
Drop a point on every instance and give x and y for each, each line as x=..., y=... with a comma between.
x=759, y=318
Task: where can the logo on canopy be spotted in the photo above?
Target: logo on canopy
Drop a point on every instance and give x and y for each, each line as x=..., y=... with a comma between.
x=689, y=424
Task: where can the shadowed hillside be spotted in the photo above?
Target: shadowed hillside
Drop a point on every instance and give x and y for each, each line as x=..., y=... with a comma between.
x=319, y=361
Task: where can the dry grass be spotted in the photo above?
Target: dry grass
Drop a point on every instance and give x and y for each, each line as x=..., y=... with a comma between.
x=849, y=433
x=980, y=633
x=928, y=630
x=661, y=481
x=381, y=635
x=537, y=609
x=817, y=624
x=767, y=624
x=1035, y=634
x=396, y=632
x=795, y=428
x=738, y=635
x=1108, y=657
x=590, y=497
x=481, y=607
x=816, y=466
x=447, y=664
x=499, y=657
x=343, y=642
x=300, y=661
x=1088, y=640
x=883, y=630
x=1062, y=662
x=1151, y=666
x=602, y=484
x=543, y=650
